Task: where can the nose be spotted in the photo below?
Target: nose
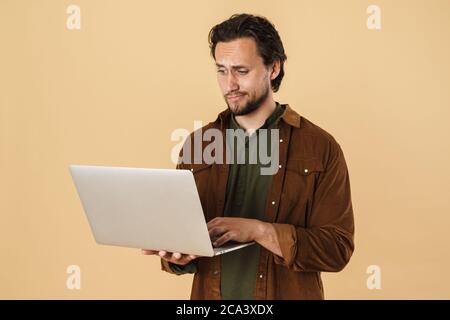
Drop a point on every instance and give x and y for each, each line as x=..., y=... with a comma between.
x=232, y=84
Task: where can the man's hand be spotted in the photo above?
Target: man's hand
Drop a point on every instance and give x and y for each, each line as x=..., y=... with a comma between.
x=224, y=229
x=174, y=257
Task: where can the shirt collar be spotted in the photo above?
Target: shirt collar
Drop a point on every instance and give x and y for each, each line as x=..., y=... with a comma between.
x=268, y=124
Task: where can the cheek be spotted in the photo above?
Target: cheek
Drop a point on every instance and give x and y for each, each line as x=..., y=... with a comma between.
x=247, y=85
x=253, y=83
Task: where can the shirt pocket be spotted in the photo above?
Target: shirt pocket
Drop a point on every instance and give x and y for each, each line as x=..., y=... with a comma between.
x=300, y=180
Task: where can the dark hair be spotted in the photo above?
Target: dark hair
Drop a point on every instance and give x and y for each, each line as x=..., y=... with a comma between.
x=261, y=30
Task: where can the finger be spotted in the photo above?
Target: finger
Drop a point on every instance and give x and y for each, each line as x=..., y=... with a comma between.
x=176, y=255
x=213, y=222
x=189, y=257
x=162, y=253
x=216, y=231
x=223, y=239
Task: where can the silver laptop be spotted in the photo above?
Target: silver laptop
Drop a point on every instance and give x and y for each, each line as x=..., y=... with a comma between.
x=157, y=209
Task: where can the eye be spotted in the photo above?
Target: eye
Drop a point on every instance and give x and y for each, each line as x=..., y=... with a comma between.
x=243, y=71
x=220, y=71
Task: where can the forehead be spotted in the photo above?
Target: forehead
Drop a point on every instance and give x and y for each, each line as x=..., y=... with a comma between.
x=242, y=51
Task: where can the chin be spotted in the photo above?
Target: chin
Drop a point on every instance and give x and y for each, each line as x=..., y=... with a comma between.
x=236, y=110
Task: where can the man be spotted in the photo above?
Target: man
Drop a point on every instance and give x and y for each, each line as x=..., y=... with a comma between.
x=300, y=217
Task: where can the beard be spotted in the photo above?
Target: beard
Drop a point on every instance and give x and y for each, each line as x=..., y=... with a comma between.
x=251, y=105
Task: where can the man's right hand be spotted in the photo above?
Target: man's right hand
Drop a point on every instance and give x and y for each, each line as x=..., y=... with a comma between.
x=173, y=257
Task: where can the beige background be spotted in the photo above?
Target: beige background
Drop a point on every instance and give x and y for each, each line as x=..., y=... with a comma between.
x=113, y=92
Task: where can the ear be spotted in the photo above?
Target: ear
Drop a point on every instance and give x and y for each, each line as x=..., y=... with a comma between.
x=275, y=69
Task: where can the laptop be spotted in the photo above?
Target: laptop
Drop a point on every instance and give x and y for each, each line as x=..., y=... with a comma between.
x=155, y=209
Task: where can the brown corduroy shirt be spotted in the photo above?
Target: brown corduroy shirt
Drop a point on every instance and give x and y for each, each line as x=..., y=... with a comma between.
x=308, y=203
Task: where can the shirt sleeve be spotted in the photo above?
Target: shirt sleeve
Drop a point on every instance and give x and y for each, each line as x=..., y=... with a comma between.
x=327, y=243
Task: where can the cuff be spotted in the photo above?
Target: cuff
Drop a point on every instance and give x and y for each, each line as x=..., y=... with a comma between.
x=178, y=269
x=287, y=239
x=165, y=266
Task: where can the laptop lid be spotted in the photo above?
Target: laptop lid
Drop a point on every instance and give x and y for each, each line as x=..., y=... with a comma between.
x=156, y=209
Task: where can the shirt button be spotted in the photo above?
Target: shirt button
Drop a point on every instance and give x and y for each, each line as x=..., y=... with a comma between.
x=306, y=170
x=281, y=140
x=192, y=169
x=261, y=276
x=273, y=202
x=279, y=166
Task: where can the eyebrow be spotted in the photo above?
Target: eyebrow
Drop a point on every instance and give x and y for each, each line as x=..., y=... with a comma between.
x=240, y=66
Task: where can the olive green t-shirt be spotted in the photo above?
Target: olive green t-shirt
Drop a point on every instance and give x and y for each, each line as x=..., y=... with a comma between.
x=246, y=198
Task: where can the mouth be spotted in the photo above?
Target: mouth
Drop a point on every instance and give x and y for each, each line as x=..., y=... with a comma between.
x=235, y=97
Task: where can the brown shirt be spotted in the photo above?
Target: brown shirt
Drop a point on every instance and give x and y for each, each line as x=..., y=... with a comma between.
x=308, y=203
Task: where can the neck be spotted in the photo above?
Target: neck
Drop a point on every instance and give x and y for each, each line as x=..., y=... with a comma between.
x=254, y=120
